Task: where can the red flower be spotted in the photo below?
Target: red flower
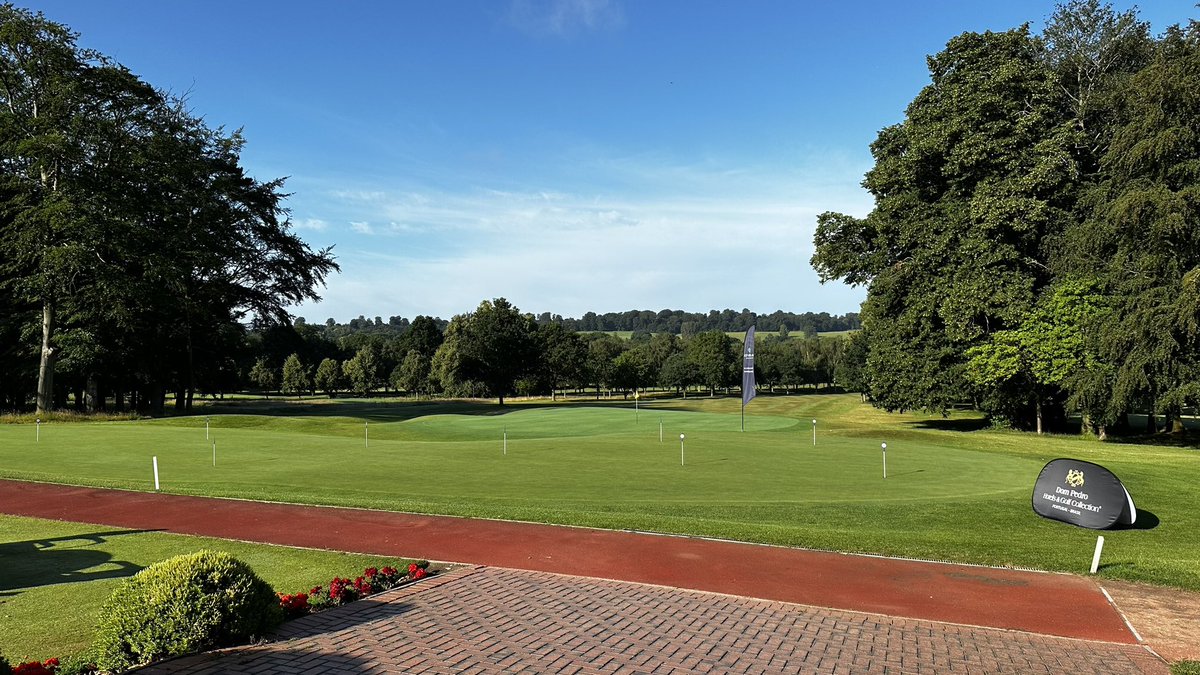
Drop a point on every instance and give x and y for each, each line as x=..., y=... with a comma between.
x=419, y=574
x=370, y=572
x=48, y=667
x=412, y=569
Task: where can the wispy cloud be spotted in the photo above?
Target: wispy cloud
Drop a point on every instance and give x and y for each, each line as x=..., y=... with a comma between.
x=361, y=227
x=311, y=224
x=564, y=18
x=720, y=238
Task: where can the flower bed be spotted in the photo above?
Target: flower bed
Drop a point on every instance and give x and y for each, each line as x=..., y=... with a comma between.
x=343, y=591
x=338, y=592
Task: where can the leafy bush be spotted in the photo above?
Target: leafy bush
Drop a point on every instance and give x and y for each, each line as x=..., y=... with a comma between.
x=5, y=669
x=1185, y=668
x=184, y=605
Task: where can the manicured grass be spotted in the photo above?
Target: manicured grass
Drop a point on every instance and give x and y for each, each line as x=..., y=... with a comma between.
x=953, y=492
x=55, y=576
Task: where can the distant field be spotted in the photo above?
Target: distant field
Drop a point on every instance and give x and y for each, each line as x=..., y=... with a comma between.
x=952, y=492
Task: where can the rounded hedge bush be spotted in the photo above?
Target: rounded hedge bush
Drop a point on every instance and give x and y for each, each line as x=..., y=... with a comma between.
x=184, y=605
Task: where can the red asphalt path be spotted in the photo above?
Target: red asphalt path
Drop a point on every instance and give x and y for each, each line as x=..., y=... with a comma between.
x=1049, y=604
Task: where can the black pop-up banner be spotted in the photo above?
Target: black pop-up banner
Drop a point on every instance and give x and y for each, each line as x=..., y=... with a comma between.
x=1083, y=494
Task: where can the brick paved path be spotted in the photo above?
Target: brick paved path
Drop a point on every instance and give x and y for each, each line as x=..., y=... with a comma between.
x=493, y=620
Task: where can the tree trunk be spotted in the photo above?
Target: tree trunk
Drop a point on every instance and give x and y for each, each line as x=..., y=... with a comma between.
x=93, y=401
x=1102, y=432
x=45, y=390
x=1039, y=416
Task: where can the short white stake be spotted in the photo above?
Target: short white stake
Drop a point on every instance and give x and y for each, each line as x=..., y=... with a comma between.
x=37, y=434
x=1096, y=555
x=814, y=433
x=680, y=449
x=154, y=461
x=214, y=452
x=505, y=442
x=206, y=428
x=366, y=440
x=884, y=445
x=660, y=431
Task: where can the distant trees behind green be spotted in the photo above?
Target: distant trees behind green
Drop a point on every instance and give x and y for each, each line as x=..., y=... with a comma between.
x=674, y=321
x=496, y=351
x=1034, y=248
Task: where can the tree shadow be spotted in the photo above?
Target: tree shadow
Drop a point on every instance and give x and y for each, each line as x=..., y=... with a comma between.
x=46, y=562
x=338, y=618
x=374, y=411
x=959, y=424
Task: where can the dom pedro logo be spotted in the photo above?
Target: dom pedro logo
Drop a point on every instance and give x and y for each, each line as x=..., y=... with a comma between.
x=1083, y=494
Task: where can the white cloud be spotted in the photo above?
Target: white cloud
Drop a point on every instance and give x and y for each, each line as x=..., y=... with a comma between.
x=563, y=18
x=312, y=224
x=361, y=227
x=720, y=239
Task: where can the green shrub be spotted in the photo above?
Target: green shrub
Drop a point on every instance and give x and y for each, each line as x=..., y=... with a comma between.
x=183, y=605
x=1185, y=668
x=5, y=669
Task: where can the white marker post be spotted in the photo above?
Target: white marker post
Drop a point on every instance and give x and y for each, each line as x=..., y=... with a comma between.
x=1096, y=555
x=366, y=439
x=214, y=452
x=505, y=441
x=154, y=461
x=37, y=433
x=814, y=433
x=660, y=430
x=884, y=446
x=680, y=449
x=635, y=406
x=206, y=428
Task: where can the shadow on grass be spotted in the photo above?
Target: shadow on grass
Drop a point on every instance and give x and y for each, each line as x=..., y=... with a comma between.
x=1187, y=440
x=960, y=424
x=45, y=562
x=1146, y=520
x=399, y=410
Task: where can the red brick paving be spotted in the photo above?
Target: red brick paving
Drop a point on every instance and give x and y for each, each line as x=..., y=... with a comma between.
x=491, y=620
x=1053, y=604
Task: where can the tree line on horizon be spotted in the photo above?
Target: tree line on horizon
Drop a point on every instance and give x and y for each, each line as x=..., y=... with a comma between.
x=673, y=321
x=1034, y=246
x=496, y=351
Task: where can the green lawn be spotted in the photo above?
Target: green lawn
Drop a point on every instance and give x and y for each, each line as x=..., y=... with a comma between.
x=54, y=576
x=953, y=492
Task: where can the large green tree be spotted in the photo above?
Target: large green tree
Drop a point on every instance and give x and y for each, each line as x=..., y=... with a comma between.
x=968, y=191
x=131, y=235
x=493, y=346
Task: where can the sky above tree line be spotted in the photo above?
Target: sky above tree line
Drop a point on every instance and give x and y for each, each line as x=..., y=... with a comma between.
x=569, y=155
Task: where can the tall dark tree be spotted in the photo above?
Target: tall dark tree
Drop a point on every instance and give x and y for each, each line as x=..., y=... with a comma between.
x=129, y=225
x=968, y=191
x=494, y=345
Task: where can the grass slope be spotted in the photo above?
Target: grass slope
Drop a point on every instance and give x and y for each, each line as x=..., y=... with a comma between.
x=950, y=494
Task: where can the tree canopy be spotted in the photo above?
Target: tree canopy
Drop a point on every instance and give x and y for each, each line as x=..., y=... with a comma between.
x=132, y=242
x=1033, y=239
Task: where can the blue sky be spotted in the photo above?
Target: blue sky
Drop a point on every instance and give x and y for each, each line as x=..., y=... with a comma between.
x=569, y=155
